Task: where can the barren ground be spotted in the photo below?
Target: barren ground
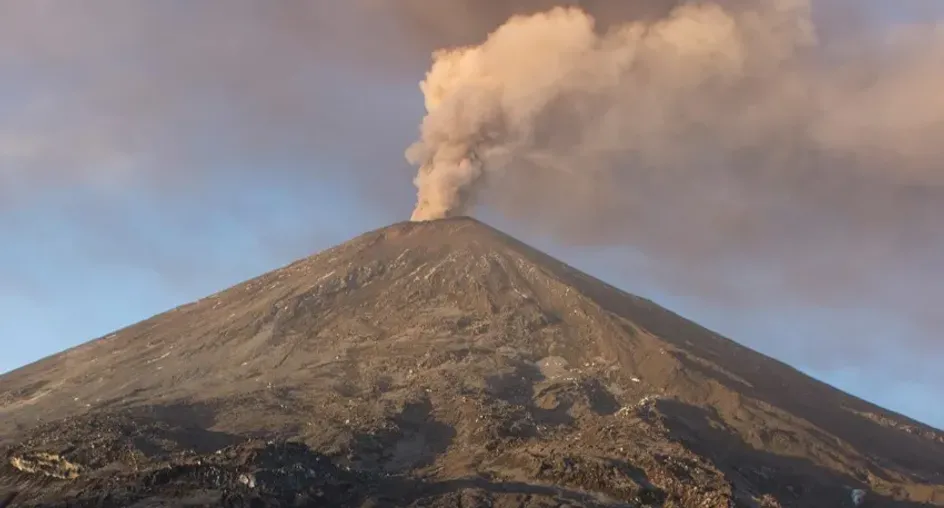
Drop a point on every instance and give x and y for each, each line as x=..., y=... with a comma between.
x=442, y=364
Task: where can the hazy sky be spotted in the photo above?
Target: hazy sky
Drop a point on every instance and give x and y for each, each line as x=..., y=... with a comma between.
x=147, y=160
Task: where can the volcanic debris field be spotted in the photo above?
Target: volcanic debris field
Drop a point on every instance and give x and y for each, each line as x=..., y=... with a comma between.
x=442, y=363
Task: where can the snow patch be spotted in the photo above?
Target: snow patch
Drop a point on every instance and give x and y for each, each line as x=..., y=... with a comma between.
x=165, y=355
x=401, y=256
x=434, y=269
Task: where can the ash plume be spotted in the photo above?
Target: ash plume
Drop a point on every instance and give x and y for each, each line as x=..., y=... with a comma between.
x=735, y=137
x=709, y=88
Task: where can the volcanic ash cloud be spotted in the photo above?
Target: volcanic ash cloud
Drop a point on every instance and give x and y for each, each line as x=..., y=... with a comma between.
x=747, y=87
x=539, y=87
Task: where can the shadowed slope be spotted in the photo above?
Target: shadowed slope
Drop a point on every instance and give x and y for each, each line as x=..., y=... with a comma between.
x=460, y=362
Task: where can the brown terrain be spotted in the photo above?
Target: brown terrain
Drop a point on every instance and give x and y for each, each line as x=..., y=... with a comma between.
x=442, y=364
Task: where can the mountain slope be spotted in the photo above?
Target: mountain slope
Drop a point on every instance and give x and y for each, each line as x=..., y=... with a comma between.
x=440, y=363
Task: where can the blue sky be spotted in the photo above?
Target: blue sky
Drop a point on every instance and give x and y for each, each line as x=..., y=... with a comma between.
x=86, y=251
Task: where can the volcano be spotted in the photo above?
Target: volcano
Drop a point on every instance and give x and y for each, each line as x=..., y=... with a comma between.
x=443, y=363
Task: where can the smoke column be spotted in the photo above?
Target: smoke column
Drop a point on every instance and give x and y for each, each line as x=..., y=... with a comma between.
x=721, y=140
x=705, y=89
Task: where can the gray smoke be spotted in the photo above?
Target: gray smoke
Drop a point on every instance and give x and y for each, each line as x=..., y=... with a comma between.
x=723, y=140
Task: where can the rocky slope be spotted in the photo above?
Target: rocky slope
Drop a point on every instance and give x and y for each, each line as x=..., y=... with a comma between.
x=442, y=364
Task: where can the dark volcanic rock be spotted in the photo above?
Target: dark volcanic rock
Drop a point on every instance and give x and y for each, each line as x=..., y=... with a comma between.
x=442, y=364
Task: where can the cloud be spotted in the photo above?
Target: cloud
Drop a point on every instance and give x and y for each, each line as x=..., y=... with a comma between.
x=169, y=95
x=732, y=143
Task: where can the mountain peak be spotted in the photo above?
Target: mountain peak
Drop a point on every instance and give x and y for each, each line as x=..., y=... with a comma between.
x=446, y=361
